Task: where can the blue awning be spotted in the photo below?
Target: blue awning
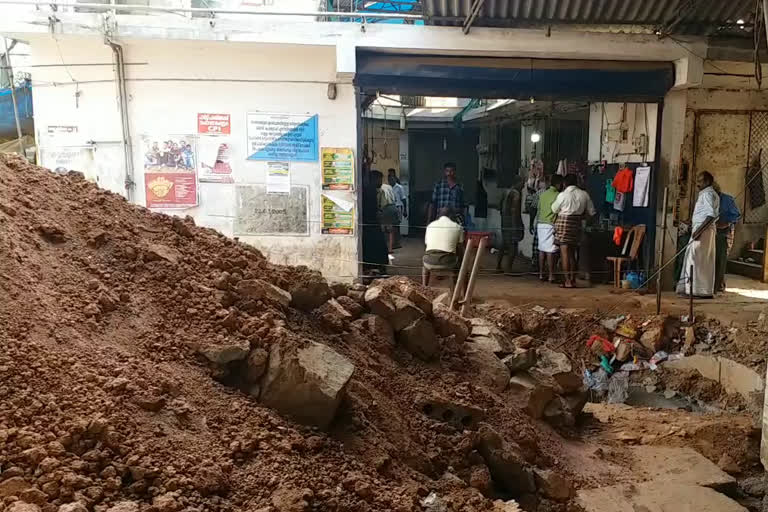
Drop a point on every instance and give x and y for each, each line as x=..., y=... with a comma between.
x=489, y=77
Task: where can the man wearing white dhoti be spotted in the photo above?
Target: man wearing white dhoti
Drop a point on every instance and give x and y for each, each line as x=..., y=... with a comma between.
x=700, y=252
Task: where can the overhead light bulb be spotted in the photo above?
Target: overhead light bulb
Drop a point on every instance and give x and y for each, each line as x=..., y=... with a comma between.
x=739, y=22
x=533, y=100
x=535, y=137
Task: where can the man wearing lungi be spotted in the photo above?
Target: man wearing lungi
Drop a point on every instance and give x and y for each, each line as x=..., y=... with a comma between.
x=700, y=252
x=545, y=227
x=570, y=207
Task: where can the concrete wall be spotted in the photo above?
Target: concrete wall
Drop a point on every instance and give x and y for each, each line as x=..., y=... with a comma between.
x=614, y=128
x=170, y=84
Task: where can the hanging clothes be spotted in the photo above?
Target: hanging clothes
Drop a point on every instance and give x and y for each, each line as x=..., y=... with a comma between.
x=610, y=192
x=619, y=200
x=623, y=180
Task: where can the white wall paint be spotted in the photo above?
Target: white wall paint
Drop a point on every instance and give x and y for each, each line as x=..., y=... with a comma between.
x=636, y=118
x=181, y=79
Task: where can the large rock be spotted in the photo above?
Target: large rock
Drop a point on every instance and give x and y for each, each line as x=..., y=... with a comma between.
x=352, y=306
x=379, y=302
x=334, y=315
x=444, y=299
x=306, y=383
x=553, y=485
x=307, y=295
x=485, y=333
x=491, y=372
x=223, y=353
x=405, y=313
x=256, y=365
x=657, y=335
x=419, y=339
x=532, y=394
x=565, y=409
x=157, y=252
x=410, y=292
x=258, y=289
x=124, y=506
x=449, y=323
x=520, y=360
x=555, y=369
x=378, y=327
x=13, y=486
x=20, y=506
x=504, y=461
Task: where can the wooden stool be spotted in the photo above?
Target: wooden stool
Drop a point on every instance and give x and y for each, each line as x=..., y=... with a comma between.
x=440, y=274
x=617, y=262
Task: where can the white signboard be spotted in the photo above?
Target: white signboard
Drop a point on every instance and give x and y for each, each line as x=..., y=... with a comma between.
x=282, y=137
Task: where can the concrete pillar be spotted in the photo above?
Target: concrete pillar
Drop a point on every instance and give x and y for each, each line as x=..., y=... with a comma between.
x=672, y=139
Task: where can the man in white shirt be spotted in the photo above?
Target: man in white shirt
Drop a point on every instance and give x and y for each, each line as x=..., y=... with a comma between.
x=401, y=201
x=442, y=241
x=388, y=213
x=571, y=206
x=700, y=253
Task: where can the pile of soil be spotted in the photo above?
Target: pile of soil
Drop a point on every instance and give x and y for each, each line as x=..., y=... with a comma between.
x=104, y=398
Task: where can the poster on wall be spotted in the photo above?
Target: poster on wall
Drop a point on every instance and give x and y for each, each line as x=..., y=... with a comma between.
x=213, y=124
x=170, y=176
x=215, y=159
x=338, y=168
x=282, y=137
x=278, y=178
x=260, y=213
x=338, y=216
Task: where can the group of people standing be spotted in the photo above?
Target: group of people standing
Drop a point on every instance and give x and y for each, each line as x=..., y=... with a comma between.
x=558, y=208
x=384, y=207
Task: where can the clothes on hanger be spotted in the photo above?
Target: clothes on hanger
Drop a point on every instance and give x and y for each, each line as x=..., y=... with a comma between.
x=623, y=180
x=610, y=192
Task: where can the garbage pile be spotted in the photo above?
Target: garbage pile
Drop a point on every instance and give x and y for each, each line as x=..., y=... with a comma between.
x=149, y=365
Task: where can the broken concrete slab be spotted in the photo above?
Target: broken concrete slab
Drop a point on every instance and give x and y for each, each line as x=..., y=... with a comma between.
x=449, y=323
x=733, y=376
x=405, y=313
x=419, y=339
x=485, y=333
x=379, y=302
x=520, y=360
x=306, y=383
x=555, y=369
x=655, y=496
x=258, y=289
x=505, y=462
x=491, y=372
x=534, y=395
x=553, y=485
x=333, y=315
x=461, y=416
x=679, y=466
x=224, y=353
x=421, y=301
x=308, y=295
x=378, y=327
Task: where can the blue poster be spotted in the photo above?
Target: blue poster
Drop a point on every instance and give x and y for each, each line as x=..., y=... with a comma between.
x=282, y=137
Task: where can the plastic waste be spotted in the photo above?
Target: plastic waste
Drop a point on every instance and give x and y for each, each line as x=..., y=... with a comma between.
x=611, y=323
x=657, y=358
x=596, y=381
x=433, y=503
x=618, y=388
x=630, y=367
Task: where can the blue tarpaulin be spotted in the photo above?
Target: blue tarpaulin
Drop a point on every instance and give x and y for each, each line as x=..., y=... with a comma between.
x=24, y=103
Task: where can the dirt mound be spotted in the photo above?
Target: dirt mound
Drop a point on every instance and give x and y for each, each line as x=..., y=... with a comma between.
x=119, y=329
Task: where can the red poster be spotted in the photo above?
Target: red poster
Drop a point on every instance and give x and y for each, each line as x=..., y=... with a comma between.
x=213, y=124
x=171, y=189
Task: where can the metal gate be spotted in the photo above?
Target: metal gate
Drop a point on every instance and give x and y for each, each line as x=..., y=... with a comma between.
x=756, y=179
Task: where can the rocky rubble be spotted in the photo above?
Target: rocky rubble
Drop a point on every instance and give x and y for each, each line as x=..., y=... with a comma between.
x=168, y=368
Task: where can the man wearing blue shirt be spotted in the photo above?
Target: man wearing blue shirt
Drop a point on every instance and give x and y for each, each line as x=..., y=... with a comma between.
x=726, y=227
x=447, y=193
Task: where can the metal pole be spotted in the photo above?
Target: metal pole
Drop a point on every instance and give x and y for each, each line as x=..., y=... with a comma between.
x=462, y=274
x=690, y=297
x=661, y=250
x=473, y=276
x=13, y=97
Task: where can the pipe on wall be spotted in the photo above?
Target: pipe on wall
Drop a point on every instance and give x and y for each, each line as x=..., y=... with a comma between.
x=122, y=97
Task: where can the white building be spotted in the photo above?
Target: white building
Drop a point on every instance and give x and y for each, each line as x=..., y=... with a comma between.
x=178, y=62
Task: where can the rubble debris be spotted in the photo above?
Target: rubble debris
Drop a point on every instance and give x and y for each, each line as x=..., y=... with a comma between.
x=306, y=384
x=533, y=395
x=508, y=468
x=460, y=415
x=521, y=359
x=225, y=353
x=378, y=327
x=405, y=314
x=553, y=485
x=419, y=339
x=410, y=293
x=555, y=369
x=449, y=323
x=309, y=293
x=258, y=289
x=491, y=372
x=485, y=333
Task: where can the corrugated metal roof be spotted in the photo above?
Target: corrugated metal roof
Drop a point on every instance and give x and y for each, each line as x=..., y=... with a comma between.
x=695, y=16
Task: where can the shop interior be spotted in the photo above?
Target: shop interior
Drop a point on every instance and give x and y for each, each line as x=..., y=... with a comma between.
x=507, y=121
x=492, y=141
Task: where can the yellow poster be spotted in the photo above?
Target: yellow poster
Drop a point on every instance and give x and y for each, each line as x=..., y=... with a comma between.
x=338, y=168
x=338, y=216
